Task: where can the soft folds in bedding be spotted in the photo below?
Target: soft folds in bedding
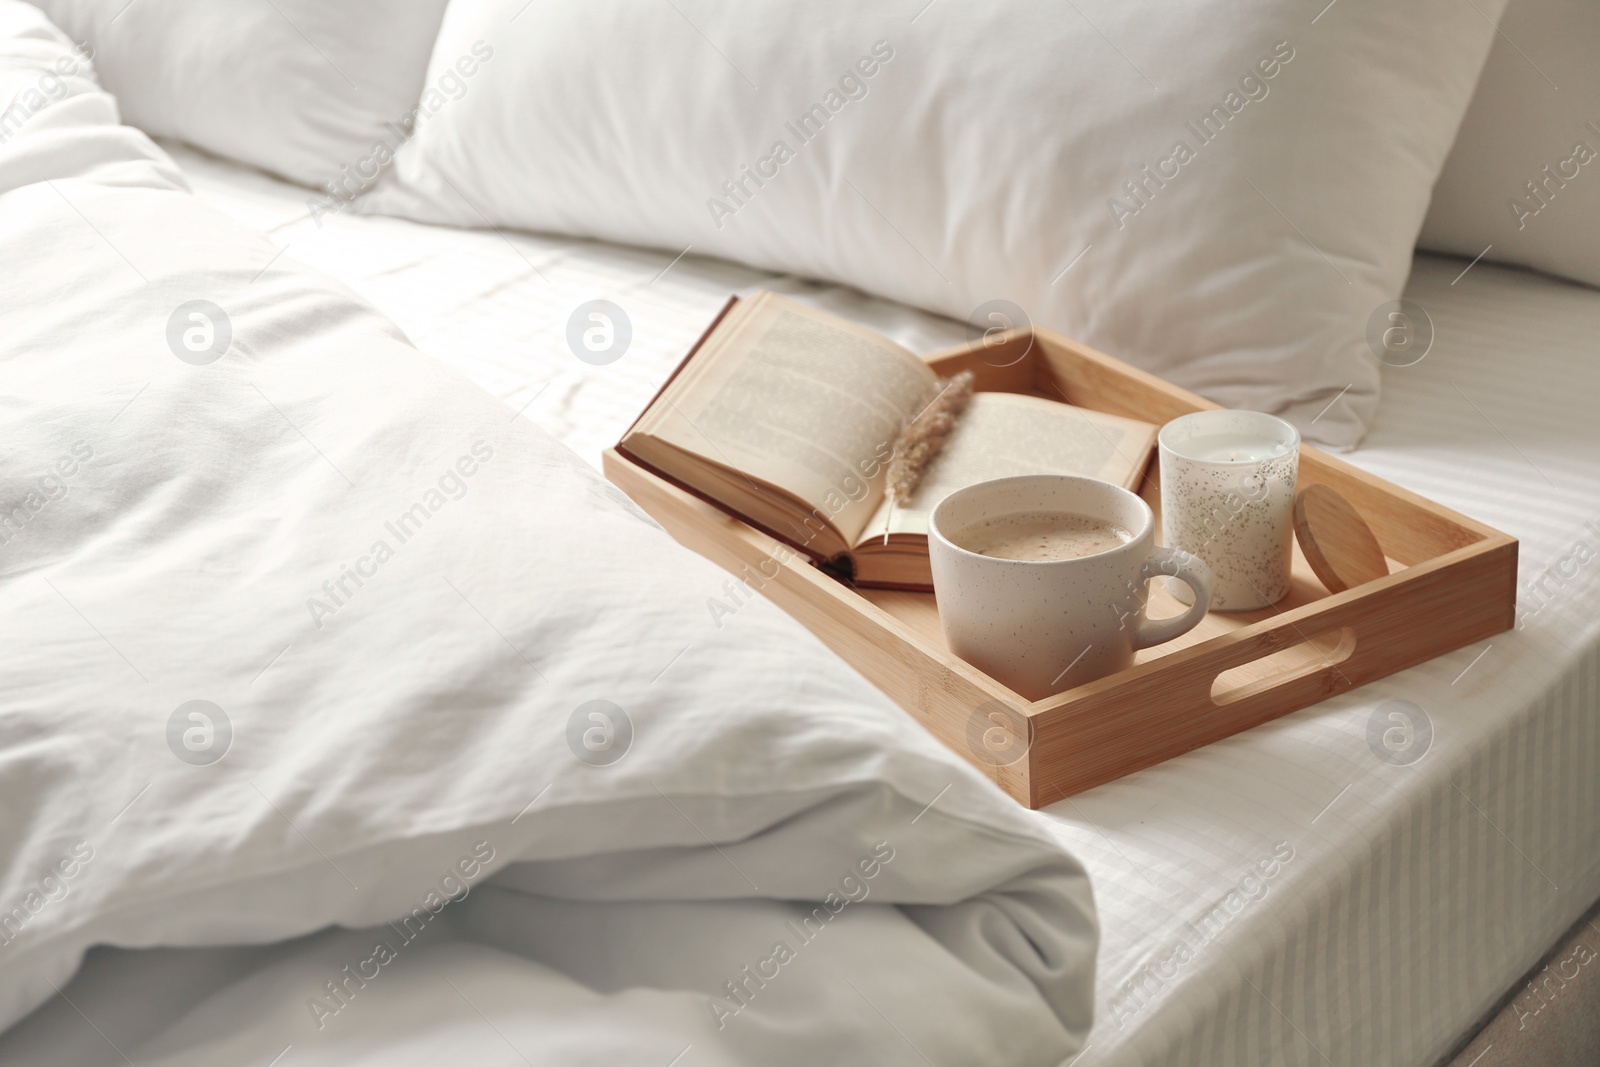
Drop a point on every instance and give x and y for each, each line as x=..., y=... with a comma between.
x=1222, y=193
x=302, y=88
x=314, y=634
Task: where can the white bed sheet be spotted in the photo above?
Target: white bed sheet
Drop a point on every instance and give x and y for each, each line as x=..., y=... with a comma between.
x=1415, y=894
x=1419, y=893
x=495, y=305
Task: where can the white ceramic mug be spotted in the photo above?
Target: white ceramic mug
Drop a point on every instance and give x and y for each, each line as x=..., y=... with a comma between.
x=1044, y=626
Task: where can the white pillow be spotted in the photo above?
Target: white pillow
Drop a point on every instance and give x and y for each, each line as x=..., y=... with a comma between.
x=970, y=152
x=301, y=88
x=1524, y=175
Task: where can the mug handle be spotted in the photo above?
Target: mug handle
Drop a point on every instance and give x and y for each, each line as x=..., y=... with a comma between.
x=1187, y=568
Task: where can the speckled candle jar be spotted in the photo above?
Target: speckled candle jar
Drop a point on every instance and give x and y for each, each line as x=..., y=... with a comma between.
x=1227, y=495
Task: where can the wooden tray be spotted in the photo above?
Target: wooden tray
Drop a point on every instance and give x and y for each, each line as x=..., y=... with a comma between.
x=1452, y=581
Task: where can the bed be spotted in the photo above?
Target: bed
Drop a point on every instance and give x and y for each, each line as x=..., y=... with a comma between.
x=1311, y=891
x=1382, y=936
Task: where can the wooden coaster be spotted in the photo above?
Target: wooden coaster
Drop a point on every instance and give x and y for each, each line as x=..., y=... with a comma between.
x=1337, y=541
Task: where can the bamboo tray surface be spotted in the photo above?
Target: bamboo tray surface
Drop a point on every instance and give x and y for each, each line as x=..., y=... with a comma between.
x=1452, y=582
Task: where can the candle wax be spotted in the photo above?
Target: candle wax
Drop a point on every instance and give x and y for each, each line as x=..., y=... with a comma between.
x=1232, y=448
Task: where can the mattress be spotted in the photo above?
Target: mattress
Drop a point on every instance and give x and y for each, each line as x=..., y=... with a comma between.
x=1435, y=859
x=1355, y=883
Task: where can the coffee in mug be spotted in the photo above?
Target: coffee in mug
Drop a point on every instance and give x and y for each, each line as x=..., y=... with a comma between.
x=1041, y=579
x=1041, y=535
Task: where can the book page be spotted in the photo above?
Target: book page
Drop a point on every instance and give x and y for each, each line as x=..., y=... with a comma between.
x=805, y=402
x=1006, y=434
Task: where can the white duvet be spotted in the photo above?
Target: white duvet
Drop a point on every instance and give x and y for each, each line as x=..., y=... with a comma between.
x=315, y=656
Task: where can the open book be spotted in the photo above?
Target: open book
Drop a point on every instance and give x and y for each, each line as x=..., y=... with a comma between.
x=786, y=417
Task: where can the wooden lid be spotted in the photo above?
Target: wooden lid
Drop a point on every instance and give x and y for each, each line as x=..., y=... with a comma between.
x=1337, y=542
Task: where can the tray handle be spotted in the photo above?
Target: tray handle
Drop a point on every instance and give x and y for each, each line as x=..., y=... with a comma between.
x=1285, y=664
